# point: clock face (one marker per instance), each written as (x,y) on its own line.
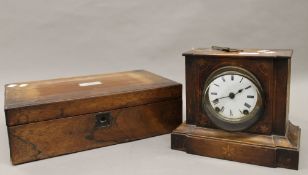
(233,96)
(233,99)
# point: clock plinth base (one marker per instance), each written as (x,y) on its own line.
(264,150)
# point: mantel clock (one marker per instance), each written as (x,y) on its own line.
(237,103)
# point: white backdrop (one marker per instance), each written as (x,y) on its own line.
(43,39)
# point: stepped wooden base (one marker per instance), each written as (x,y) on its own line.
(264,150)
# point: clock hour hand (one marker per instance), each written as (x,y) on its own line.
(241,90)
(232,95)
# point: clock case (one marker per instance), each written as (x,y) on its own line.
(272,141)
(55,117)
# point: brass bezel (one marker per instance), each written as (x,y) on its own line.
(221,121)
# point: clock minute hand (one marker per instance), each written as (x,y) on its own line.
(216,100)
(231,95)
(222,97)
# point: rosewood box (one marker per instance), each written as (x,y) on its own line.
(55,117)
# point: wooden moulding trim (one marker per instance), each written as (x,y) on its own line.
(243,138)
(279,53)
(286,148)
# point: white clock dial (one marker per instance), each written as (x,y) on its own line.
(233,96)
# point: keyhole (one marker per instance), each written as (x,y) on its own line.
(103,119)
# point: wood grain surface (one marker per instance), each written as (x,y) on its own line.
(59,98)
(265,150)
(51,138)
(279,53)
(273,72)
(61,116)
(272,141)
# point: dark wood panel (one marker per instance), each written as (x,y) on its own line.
(51,138)
(191,83)
(281,94)
(199,69)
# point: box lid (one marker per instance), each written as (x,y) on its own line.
(271,53)
(36,101)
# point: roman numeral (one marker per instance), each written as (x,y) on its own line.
(231,114)
(213,93)
(216,85)
(250,96)
(232,77)
(223,78)
(215,101)
(248,87)
(222,109)
(241,79)
(247,105)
